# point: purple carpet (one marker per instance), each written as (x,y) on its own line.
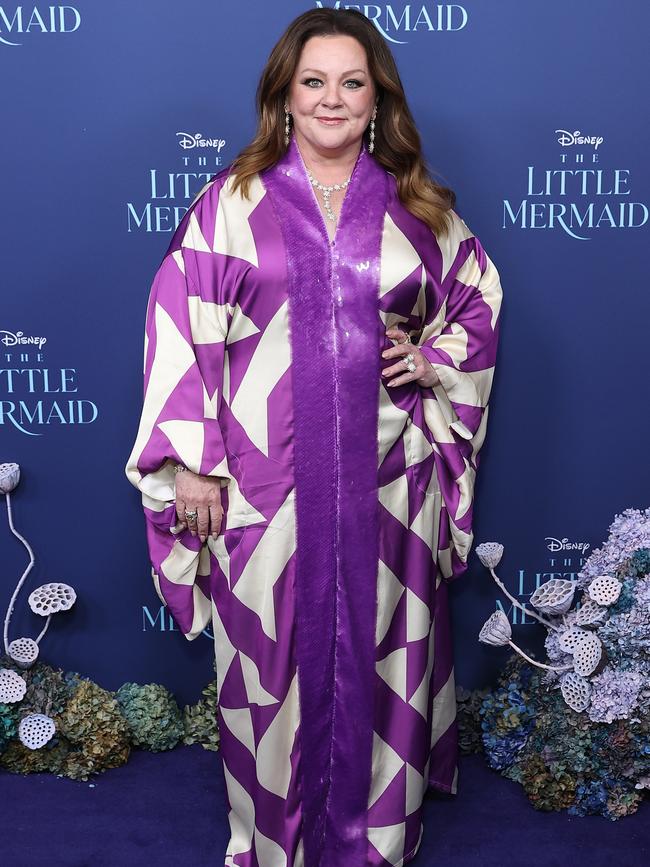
(169,809)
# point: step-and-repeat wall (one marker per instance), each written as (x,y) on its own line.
(114,114)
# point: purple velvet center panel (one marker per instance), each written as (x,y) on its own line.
(336,337)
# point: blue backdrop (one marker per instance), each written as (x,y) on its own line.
(114,114)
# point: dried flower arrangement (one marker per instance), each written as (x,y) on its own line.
(575,732)
(64,723)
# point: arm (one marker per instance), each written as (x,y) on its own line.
(460,342)
(183,367)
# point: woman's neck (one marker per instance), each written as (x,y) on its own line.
(327,167)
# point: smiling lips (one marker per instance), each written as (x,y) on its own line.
(331,120)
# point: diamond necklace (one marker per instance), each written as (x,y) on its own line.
(327,191)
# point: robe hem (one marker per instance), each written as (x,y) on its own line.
(411,855)
(443,787)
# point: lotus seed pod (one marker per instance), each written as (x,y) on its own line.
(604,589)
(35,730)
(496,630)
(50,598)
(24,651)
(570,638)
(554,596)
(587,653)
(9,477)
(590,613)
(12,686)
(576,691)
(490,553)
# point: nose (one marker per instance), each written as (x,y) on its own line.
(331,97)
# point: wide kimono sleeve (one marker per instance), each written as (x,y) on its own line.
(184,346)
(460,341)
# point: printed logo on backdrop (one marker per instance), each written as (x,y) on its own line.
(160,620)
(35,396)
(565,559)
(18,23)
(395,20)
(582,193)
(168,193)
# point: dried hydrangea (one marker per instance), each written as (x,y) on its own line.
(628,532)
(507,717)
(200,721)
(8,724)
(547,788)
(627,643)
(639,564)
(563,759)
(94,726)
(154,718)
(555,652)
(614,694)
(468,718)
(642,593)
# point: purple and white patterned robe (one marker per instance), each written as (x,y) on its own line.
(347,504)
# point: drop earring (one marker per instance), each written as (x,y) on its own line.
(371,146)
(287,115)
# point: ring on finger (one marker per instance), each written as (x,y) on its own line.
(191,514)
(409,361)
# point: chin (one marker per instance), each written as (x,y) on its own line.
(334,139)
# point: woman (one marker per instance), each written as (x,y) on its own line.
(307,472)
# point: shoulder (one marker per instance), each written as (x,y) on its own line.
(215,212)
(455,239)
(457,230)
(471,261)
(210,191)
(219,194)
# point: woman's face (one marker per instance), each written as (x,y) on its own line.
(331,80)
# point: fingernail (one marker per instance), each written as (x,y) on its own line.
(203,538)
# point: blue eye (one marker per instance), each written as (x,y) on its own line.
(354,81)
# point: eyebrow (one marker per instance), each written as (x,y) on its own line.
(320,72)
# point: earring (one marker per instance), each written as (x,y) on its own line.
(287,115)
(371,146)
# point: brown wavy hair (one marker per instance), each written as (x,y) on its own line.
(397,141)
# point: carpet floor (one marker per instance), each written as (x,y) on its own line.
(169,809)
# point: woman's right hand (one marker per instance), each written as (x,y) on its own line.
(203,495)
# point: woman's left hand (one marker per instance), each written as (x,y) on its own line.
(424,374)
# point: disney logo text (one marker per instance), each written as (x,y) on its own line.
(565,545)
(19,339)
(188,141)
(566,139)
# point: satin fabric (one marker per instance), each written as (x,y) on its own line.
(347,504)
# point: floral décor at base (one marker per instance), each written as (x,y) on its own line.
(62,722)
(562,759)
(155,720)
(95,729)
(200,719)
(576,733)
(468,719)
(46,600)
